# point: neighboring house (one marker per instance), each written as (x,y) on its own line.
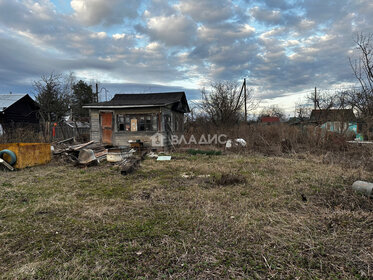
(151,118)
(18,110)
(336,120)
(297,121)
(269,120)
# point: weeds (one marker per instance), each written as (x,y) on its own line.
(202,152)
(58,222)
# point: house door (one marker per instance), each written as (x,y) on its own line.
(107,128)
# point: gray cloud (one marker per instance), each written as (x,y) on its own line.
(268,16)
(281,46)
(207,11)
(174,30)
(106,12)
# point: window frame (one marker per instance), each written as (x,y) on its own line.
(145,122)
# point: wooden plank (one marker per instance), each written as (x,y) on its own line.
(100,154)
(76,148)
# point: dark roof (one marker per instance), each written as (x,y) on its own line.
(7,100)
(131,100)
(331,115)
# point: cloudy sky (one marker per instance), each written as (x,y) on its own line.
(283,48)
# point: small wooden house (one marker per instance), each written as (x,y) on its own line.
(151,118)
(336,120)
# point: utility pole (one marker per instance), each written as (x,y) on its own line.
(244,82)
(96,92)
(243,88)
(315,99)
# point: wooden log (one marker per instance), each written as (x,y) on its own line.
(81,146)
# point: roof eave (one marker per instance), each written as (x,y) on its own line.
(119,106)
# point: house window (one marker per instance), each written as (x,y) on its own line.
(123,122)
(137,122)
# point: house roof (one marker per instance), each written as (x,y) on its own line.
(331,115)
(136,100)
(269,119)
(7,100)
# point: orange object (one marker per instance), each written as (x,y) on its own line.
(54,130)
(107,127)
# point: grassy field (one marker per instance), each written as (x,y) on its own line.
(195,217)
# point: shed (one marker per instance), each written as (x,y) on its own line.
(151,118)
(332,115)
(335,120)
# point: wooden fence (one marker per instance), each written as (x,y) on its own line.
(47,132)
(64,131)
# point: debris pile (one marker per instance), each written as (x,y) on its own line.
(85,154)
(131,161)
(91,153)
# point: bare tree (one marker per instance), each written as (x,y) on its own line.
(342,100)
(322,100)
(362,67)
(302,111)
(363,70)
(273,111)
(223,103)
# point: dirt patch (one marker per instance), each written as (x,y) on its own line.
(227,179)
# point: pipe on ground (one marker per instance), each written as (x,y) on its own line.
(364,188)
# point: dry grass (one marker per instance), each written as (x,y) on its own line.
(66,223)
(28,133)
(267,139)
